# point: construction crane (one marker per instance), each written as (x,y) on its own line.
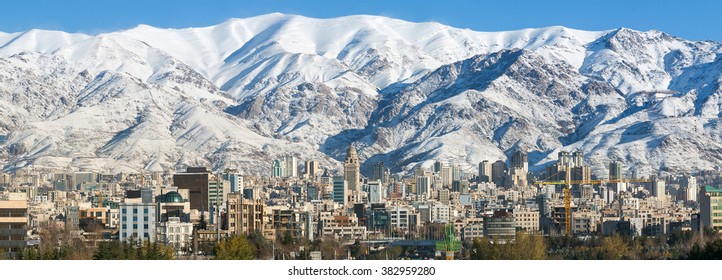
(567,193)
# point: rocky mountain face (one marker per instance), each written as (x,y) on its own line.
(238,94)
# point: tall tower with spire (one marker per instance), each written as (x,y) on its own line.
(352,172)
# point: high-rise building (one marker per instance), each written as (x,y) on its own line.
(658,188)
(137,221)
(437,166)
(234,179)
(578,159)
(444,196)
(563,159)
(376,193)
(291,166)
(311,169)
(520,160)
(581,173)
(455,173)
(217,193)
(615,171)
(326,186)
(519,170)
(498,172)
(340,190)
(485,171)
(710,209)
(689,184)
(446,176)
(379,171)
(195,180)
(352,172)
(423,185)
(278,169)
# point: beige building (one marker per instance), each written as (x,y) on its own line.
(352,172)
(245,215)
(13,225)
(342,227)
(526,220)
(585,221)
(473,228)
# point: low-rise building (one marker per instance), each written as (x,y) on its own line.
(175,233)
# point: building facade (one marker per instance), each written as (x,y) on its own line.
(137,222)
(13,225)
(711,208)
(195,180)
(245,215)
(352,170)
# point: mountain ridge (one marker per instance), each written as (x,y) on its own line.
(247,90)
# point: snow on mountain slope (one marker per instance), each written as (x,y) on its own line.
(120,123)
(244,91)
(635,61)
(479,109)
(43,41)
(384,50)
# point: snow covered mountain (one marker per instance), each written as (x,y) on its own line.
(238,94)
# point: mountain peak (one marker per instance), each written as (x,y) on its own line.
(260,87)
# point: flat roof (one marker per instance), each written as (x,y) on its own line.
(713,189)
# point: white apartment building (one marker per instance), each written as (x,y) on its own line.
(137,221)
(175,233)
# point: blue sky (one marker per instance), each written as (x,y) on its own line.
(694,20)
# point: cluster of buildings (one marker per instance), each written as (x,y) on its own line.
(188,208)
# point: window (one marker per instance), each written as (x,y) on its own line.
(145,210)
(135,219)
(135,210)
(125,226)
(145,219)
(124,211)
(145,226)
(125,219)
(135,226)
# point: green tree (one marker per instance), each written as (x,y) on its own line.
(116,250)
(264,247)
(614,247)
(711,251)
(235,248)
(524,247)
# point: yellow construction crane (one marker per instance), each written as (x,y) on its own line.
(568,182)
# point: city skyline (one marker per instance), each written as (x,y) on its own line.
(360,131)
(175,210)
